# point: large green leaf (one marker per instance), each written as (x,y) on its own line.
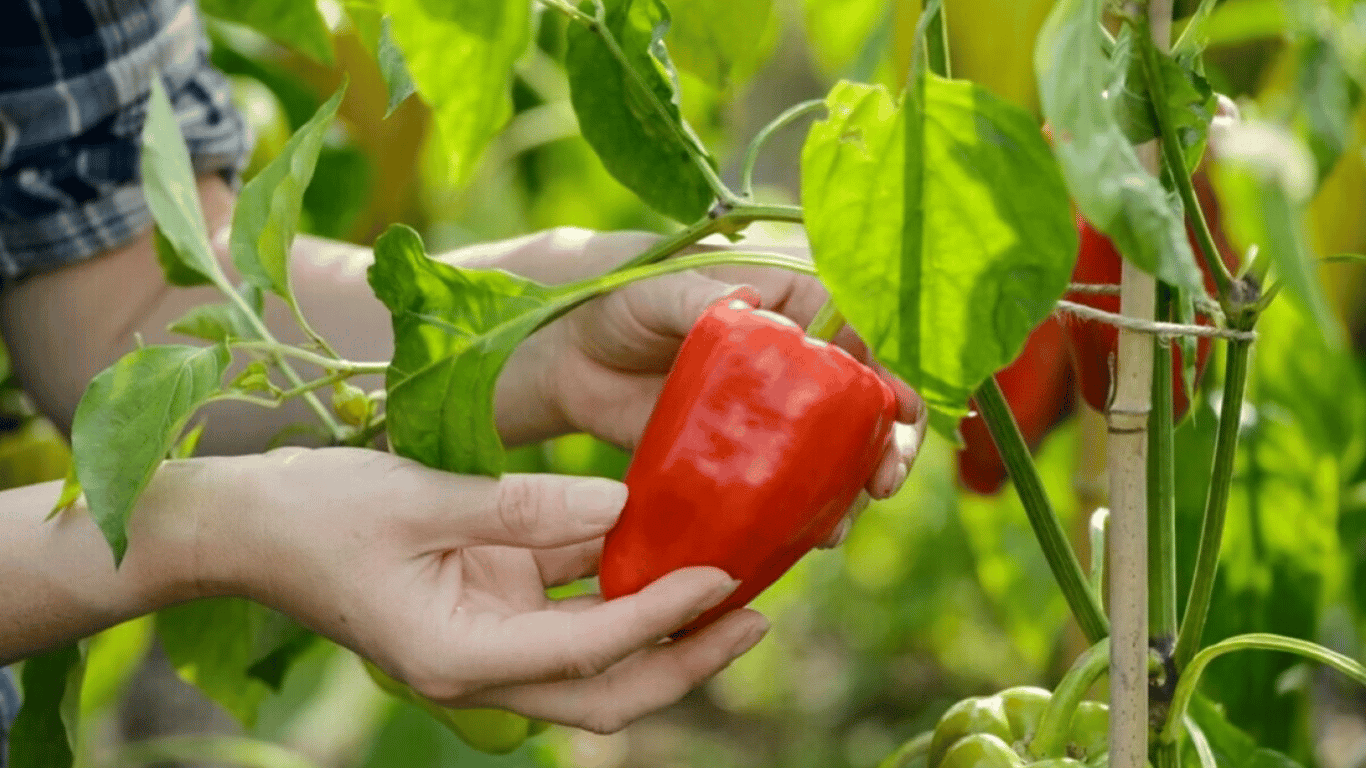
(943,233)
(267,214)
(460,55)
(639,133)
(217,659)
(840,31)
(295,23)
(128,418)
(1104,175)
(169,184)
(718,40)
(454,329)
(44,734)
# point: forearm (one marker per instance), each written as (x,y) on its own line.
(57,578)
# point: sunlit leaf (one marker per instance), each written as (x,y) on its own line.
(460,56)
(129,417)
(649,151)
(944,234)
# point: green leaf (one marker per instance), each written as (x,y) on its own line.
(290,642)
(944,234)
(188,444)
(1267,178)
(293,23)
(650,152)
(718,40)
(215,322)
(1328,97)
(168,181)
(217,661)
(1242,21)
(1108,183)
(267,213)
(71,493)
(129,417)
(454,329)
(460,55)
(1189,104)
(392,67)
(44,734)
(175,271)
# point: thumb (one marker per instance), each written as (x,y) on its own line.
(676,302)
(538,510)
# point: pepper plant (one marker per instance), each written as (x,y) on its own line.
(941,221)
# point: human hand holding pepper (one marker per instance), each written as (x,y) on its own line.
(600,369)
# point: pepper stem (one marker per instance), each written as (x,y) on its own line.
(827,322)
(1050,739)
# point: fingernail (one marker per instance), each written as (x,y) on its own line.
(721,592)
(750,637)
(841,532)
(596,500)
(898,477)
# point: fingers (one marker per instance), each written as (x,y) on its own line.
(525,510)
(556,644)
(644,682)
(567,564)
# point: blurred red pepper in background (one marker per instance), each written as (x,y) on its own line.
(1094,343)
(1038,387)
(760,441)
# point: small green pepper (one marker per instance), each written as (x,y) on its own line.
(974,732)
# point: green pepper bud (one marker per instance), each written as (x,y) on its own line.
(981,750)
(975,715)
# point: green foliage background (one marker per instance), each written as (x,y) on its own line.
(937,594)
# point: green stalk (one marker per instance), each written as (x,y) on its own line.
(729,222)
(1162,587)
(1161,500)
(827,322)
(1050,738)
(1062,559)
(1255,640)
(789,116)
(1175,164)
(1216,504)
(937,41)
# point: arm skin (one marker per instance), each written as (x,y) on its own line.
(438,578)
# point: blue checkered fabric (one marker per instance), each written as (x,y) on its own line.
(9,708)
(74,80)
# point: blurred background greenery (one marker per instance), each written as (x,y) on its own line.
(937,594)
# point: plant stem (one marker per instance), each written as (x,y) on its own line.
(1161,503)
(789,116)
(827,322)
(1100,521)
(598,26)
(1216,504)
(1050,738)
(937,42)
(1255,640)
(1175,163)
(327,363)
(732,220)
(1085,604)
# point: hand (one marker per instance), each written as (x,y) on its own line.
(440,580)
(601,367)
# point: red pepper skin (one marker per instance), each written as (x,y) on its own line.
(760,441)
(1038,386)
(1094,344)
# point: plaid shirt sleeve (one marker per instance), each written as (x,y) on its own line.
(9,709)
(74,81)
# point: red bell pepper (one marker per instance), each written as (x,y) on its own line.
(760,441)
(1038,386)
(1094,343)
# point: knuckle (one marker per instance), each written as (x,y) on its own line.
(604,720)
(519,509)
